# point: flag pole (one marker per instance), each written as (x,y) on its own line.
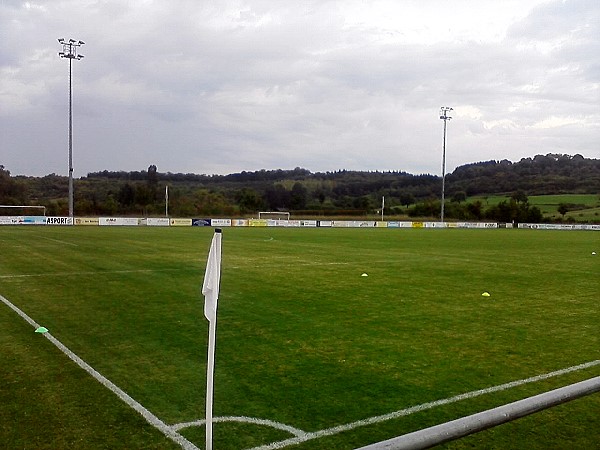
(210,289)
(167,200)
(212,332)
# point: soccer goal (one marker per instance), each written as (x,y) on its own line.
(274,215)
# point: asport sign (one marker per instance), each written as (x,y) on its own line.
(59,221)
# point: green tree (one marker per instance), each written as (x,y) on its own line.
(11,191)
(152,182)
(534,215)
(475,210)
(211,203)
(320,195)
(144,197)
(126,195)
(459,197)
(109,207)
(407,199)
(152,176)
(5,184)
(428,208)
(277,197)
(249,200)
(563,208)
(298,196)
(362,203)
(520,197)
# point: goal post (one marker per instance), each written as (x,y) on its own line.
(274,215)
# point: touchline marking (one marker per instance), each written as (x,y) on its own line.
(421,407)
(150,418)
(59,241)
(293,263)
(243,419)
(72,274)
(300,436)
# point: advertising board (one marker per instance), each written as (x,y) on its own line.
(11,220)
(157,222)
(257,222)
(118,221)
(354,223)
(87,221)
(34,220)
(399,224)
(59,221)
(559,226)
(181,222)
(220,222)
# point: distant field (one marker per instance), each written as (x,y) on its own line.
(304,340)
(588,204)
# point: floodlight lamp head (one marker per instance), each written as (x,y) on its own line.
(72,40)
(61,54)
(81,42)
(61,40)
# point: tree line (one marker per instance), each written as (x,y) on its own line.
(342,192)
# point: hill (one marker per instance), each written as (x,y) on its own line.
(542,175)
(306,193)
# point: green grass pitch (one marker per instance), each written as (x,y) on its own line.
(303,339)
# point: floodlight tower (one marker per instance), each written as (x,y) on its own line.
(445,117)
(69,51)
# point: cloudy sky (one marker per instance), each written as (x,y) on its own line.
(218,87)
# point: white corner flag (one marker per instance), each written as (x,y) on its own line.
(210,290)
(212,277)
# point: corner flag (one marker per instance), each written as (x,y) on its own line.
(212,278)
(210,290)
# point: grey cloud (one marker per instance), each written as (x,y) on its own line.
(244,85)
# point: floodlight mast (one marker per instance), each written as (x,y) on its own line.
(69,51)
(445,117)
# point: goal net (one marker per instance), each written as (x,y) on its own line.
(274,215)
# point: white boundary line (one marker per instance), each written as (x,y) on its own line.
(300,436)
(72,274)
(150,418)
(269,423)
(421,407)
(59,241)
